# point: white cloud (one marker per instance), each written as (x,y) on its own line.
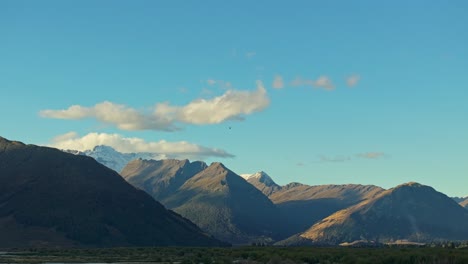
(278,82)
(211,81)
(353,80)
(232,105)
(322,82)
(179,150)
(121,116)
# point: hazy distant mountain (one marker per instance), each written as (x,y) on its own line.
(161,178)
(52,198)
(458,199)
(410,211)
(262,182)
(111,158)
(463,201)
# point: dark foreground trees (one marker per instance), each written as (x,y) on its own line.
(240,255)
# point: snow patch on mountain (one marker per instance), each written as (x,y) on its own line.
(260,176)
(113,159)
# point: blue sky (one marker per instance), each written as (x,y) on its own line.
(371,92)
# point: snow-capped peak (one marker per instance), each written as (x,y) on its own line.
(260,176)
(112,158)
(246,176)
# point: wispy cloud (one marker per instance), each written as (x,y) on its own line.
(278,82)
(300,164)
(162,148)
(250,54)
(183,90)
(323,158)
(232,105)
(222,84)
(371,155)
(322,82)
(211,82)
(345,158)
(353,80)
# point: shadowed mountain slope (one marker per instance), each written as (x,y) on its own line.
(303,205)
(410,211)
(225,205)
(51,198)
(161,178)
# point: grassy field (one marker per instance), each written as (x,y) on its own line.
(270,255)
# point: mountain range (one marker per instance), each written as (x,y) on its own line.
(51,198)
(409,211)
(219,201)
(298,206)
(209,198)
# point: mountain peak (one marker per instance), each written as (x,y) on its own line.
(6,142)
(103,148)
(411,184)
(264,178)
(262,181)
(217,166)
(260,174)
(257,175)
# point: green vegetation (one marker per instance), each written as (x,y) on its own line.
(454,254)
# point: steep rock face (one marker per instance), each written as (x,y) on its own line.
(410,211)
(51,198)
(262,182)
(225,205)
(161,178)
(303,205)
